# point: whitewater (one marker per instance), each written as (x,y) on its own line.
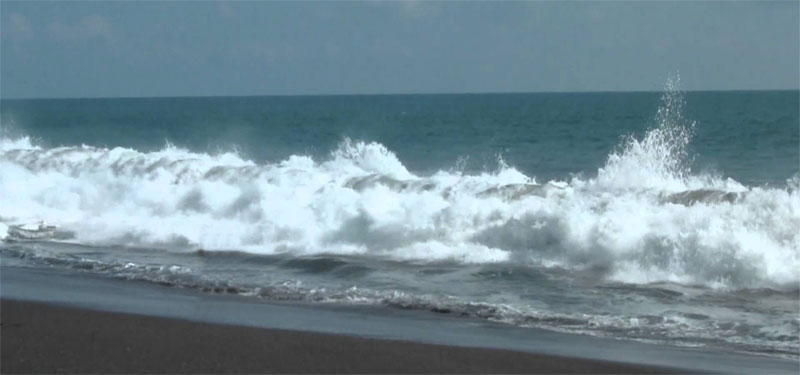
(646,247)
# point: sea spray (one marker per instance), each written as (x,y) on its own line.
(641,245)
(644,218)
(660,158)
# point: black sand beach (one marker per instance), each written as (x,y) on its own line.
(64,322)
(44,338)
(583,187)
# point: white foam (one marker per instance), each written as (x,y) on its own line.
(362,200)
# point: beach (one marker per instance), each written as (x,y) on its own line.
(65,322)
(400,187)
(45,338)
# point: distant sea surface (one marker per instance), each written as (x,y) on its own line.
(662,217)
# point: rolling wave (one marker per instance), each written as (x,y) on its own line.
(645,217)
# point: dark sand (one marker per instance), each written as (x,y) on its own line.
(43,338)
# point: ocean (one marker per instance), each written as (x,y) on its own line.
(659,217)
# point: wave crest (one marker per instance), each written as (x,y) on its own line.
(645,217)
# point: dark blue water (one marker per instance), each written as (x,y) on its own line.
(751,136)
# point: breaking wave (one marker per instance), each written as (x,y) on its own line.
(645,216)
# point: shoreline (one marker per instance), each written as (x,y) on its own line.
(45,338)
(402,334)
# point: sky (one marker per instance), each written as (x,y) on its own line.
(214,48)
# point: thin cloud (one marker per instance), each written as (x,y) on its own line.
(225,9)
(415,9)
(18,27)
(90,27)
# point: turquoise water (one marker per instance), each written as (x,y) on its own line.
(751,136)
(663,217)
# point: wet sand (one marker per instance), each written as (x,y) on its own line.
(47,338)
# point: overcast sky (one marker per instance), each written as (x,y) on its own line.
(96,49)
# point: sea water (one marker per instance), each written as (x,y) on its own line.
(662,217)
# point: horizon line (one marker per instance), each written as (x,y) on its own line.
(391,94)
